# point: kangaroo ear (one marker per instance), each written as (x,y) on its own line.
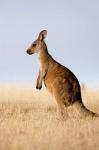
(42,35)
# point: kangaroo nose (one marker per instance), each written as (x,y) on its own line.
(28,51)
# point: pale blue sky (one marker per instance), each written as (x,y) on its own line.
(73,37)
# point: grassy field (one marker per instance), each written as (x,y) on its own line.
(29,121)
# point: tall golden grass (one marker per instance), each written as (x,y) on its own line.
(29,121)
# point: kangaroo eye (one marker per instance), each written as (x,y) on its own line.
(34,45)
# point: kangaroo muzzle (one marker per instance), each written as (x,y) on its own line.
(29,51)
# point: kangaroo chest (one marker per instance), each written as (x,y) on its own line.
(40,65)
(43,67)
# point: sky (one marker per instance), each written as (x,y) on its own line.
(73,38)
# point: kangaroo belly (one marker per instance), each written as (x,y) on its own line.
(48,84)
(61,79)
(63,85)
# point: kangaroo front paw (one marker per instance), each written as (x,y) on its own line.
(38,87)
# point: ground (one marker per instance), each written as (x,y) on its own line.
(29,121)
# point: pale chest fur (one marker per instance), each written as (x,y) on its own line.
(40,62)
(43,63)
(40,65)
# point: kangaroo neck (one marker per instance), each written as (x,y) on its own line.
(43,59)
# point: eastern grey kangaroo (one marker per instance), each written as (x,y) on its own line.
(59,80)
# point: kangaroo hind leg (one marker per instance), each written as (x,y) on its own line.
(63,101)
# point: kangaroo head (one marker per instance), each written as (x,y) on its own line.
(39,44)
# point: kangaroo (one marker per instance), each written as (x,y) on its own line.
(58,79)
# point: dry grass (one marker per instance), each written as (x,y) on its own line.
(28,121)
